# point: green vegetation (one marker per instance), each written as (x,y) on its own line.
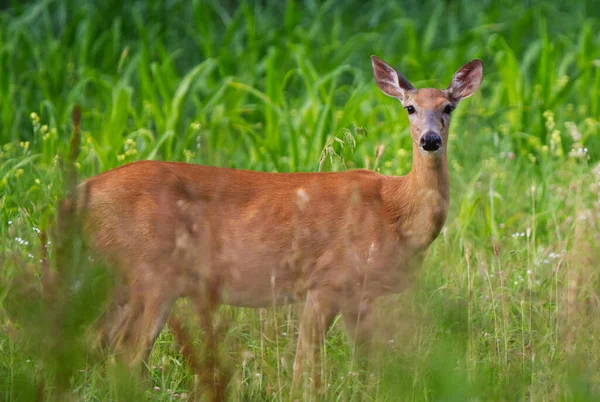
(506,306)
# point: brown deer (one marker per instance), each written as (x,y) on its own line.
(334,241)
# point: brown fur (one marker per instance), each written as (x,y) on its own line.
(335,241)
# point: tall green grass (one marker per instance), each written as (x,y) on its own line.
(506,305)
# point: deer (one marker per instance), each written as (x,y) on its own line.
(333,241)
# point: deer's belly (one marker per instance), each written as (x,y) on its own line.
(262,279)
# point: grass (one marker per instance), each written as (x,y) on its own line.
(506,305)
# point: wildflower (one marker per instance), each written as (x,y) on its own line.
(580,153)
(189,155)
(156,389)
(549,120)
(21,241)
(575,133)
(556,143)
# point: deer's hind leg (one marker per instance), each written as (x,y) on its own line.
(135,321)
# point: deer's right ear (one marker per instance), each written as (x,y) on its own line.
(389,80)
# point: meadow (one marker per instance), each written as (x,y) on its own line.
(506,305)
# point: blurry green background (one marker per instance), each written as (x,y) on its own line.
(287,86)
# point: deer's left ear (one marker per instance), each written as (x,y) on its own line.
(466,80)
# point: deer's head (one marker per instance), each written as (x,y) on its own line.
(428,109)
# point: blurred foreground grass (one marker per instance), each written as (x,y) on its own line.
(506,305)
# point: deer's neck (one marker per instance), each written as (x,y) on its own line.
(429,174)
(419,201)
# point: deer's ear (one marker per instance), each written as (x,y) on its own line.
(389,80)
(466,80)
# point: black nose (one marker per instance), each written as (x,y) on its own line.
(431,141)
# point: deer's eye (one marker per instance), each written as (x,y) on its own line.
(448,109)
(410,109)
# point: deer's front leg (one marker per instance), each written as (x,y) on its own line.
(320,309)
(359,324)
